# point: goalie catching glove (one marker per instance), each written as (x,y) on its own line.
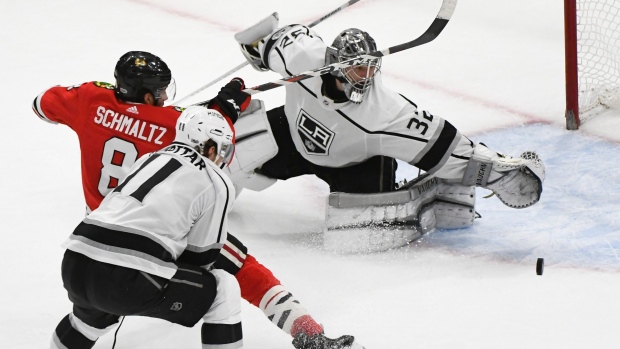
(517,182)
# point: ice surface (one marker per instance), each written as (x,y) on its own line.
(496,72)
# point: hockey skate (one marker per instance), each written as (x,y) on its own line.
(319,341)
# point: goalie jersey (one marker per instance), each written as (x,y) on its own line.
(386,123)
(172,206)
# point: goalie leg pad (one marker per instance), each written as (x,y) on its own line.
(455,205)
(255,145)
(517,182)
(377,222)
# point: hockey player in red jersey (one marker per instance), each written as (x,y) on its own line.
(116,124)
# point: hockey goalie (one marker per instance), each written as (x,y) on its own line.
(348,129)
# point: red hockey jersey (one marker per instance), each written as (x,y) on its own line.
(112,134)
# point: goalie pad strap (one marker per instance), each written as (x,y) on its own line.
(477,172)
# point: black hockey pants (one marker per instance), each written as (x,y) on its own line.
(102,292)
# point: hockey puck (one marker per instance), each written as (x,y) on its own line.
(540,265)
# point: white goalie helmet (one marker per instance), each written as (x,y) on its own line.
(356,79)
(200,127)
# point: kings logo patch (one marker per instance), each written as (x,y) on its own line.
(315,136)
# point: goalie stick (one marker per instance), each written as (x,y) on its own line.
(440,22)
(340,8)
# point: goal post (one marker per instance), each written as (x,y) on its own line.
(592,58)
(570,52)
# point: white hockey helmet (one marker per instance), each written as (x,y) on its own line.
(357,79)
(197,125)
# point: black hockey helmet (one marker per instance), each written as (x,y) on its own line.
(138,73)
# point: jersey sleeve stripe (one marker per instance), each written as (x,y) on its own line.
(440,148)
(232,256)
(36,107)
(237,246)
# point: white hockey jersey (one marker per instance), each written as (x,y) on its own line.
(386,123)
(172,207)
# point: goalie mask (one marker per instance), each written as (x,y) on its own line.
(138,73)
(356,79)
(201,128)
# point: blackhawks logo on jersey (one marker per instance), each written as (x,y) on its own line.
(179,109)
(104,85)
(315,136)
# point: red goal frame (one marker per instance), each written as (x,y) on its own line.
(570,52)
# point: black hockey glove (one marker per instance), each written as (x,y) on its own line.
(319,341)
(231,100)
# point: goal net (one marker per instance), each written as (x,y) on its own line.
(592,29)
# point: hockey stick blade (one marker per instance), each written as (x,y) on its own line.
(439,23)
(340,8)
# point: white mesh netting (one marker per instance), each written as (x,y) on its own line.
(598,55)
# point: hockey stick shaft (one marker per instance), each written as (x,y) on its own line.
(439,23)
(340,8)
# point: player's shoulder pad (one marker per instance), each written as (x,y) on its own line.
(105,85)
(282,38)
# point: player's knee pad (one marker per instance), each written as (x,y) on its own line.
(226,307)
(517,182)
(255,145)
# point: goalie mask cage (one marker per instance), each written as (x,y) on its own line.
(592,50)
